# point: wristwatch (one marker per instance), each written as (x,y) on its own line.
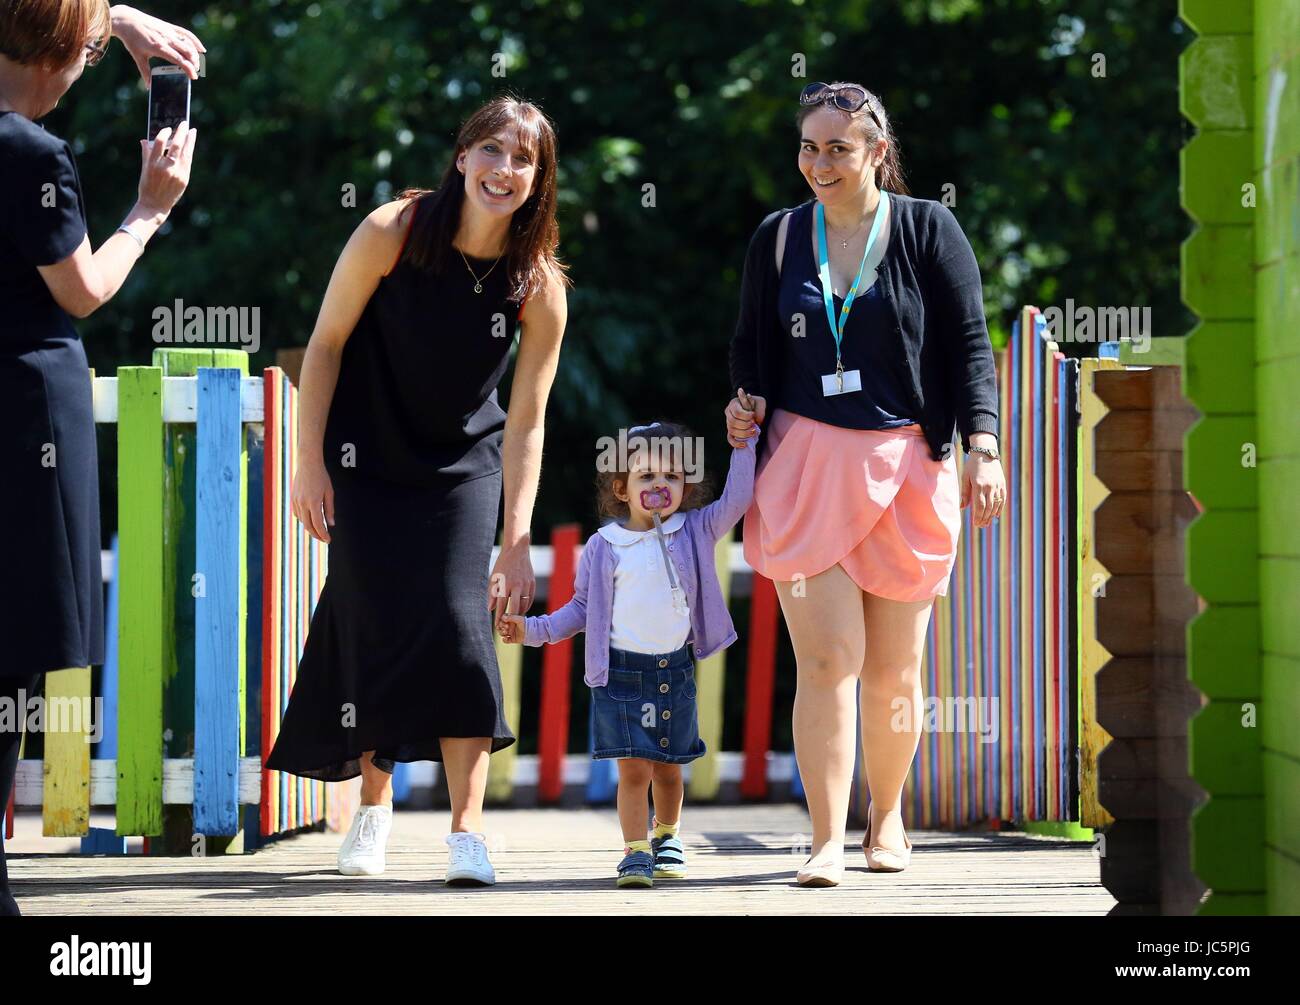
(989,452)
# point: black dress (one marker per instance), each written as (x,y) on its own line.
(400,651)
(51,599)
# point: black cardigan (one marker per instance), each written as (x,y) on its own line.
(931,285)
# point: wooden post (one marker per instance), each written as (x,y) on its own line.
(140,631)
(557,661)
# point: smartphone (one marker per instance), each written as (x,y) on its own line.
(169,99)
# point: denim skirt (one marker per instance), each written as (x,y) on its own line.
(647,708)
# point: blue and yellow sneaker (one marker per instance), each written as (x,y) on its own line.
(636,869)
(670,859)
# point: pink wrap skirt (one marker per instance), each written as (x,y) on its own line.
(873,500)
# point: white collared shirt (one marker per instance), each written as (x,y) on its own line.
(644,619)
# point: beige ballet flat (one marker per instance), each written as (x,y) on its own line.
(826,874)
(880,859)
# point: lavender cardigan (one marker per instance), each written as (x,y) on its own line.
(691,549)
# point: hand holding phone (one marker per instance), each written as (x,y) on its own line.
(165,168)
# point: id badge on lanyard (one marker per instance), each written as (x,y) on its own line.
(842,381)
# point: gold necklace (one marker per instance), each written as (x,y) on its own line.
(478,282)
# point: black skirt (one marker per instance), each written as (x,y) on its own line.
(400,650)
(51,587)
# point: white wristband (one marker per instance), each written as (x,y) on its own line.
(133,235)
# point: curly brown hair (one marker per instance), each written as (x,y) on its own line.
(695,494)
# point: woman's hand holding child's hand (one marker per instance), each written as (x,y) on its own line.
(511,627)
(744,415)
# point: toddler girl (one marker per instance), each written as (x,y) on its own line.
(647,595)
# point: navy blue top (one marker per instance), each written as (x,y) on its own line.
(883,402)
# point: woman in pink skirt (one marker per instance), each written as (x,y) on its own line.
(862,327)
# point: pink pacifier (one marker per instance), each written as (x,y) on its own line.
(656,499)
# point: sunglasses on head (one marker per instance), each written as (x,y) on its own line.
(846,97)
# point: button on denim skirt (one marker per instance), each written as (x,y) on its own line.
(647,708)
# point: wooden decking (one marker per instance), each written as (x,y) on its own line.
(742,861)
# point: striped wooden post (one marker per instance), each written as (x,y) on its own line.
(557,661)
(221,552)
(710,681)
(273,502)
(140,632)
(759,684)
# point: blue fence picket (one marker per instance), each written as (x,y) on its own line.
(218,608)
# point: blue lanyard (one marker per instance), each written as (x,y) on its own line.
(824,271)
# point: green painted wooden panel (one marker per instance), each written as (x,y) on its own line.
(1216,639)
(1164,350)
(1278,23)
(1277,384)
(1275,239)
(1277,95)
(1283,877)
(1218,278)
(1279,700)
(1221,830)
(1221,556)
(1217,17)
(1281,808)
(1215,166)
(1220,461)
(1279,584)
(1216,82)
(1218,372)
(1277,334)
(1224,753)
(1279,518)
(140,604)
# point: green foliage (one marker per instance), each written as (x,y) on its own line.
(1065,183)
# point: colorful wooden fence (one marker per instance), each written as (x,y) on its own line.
(212,592)
(218,580)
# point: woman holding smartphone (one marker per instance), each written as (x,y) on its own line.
(862,326)
(51,608)
(403,453)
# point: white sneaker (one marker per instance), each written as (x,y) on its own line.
(362,851)
(468,865)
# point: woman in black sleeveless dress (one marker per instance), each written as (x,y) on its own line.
(403,454)
(51,604)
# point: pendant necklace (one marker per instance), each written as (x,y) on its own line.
(478,282)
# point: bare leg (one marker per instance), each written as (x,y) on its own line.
(465,760)
(827,630)
(376,784)
(891,697)
(667,790)
(634,774)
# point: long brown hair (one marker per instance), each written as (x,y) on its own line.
(534,239)
(889,175)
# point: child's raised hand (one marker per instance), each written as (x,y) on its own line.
(511,628)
